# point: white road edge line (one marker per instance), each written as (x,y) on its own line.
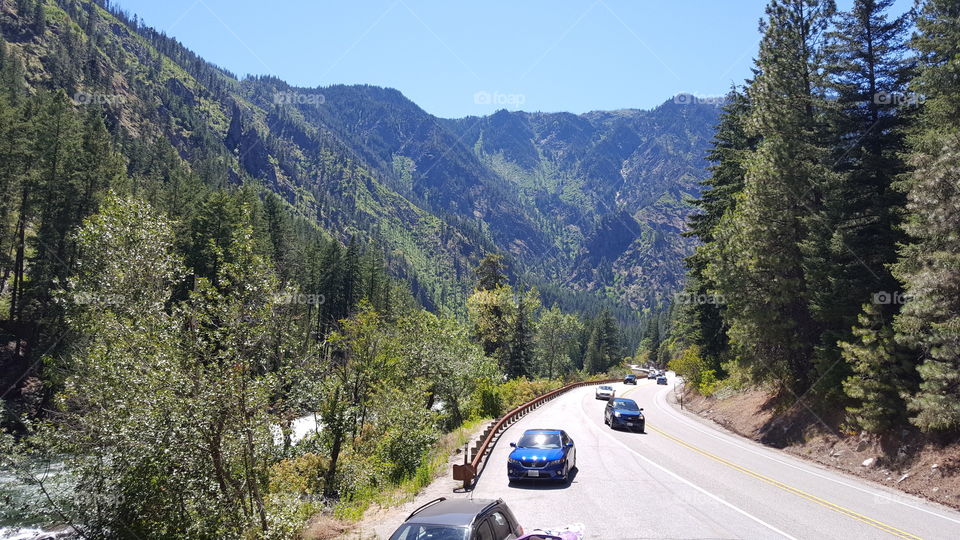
(660,400)
(682,479)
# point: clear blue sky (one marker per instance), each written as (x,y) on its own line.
(457,58)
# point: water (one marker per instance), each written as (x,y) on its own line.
(24,510)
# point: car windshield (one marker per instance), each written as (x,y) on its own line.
(423,531)
(539,440)
(605,388)
(626,404)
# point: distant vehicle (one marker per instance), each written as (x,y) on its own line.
(621,412)
(661,380)
(460,519)
(604,392)
(630,379)
(542,454)
(652,375)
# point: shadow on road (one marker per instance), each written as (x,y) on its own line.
(546,484)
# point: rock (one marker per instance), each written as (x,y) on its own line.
(936,489)
(862,445)
(869,462)
(904,477)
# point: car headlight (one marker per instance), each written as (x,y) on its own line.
(617,414)
(514,461)
(640,416)
(555,462)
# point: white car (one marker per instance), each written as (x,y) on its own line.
(604,392)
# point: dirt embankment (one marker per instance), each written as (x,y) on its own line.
(907,460)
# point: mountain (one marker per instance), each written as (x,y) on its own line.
(592,203)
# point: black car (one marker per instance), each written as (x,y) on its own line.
(661,380)
(621,412)
(460,519)
(630,379)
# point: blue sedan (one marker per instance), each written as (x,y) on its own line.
(542,454)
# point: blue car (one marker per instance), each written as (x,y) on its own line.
(624,413)
(542,454)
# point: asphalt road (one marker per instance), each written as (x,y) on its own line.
(687,479)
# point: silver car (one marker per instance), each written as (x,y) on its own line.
(604,392)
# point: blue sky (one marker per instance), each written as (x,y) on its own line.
(456,58)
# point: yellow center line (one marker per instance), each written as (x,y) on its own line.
(790,489)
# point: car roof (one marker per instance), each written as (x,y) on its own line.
(460,512)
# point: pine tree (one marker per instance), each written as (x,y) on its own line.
(520,362)
(759,264)
(490,272)
(930,263)
(703,320)
(860,206)
(884,373)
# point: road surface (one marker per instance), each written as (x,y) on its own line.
(686,479)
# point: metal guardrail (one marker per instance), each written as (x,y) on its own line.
(469,471)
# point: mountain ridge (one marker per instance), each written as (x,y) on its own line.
(364,159)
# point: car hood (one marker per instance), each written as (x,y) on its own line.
(538,454)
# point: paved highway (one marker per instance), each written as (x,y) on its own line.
(686,479)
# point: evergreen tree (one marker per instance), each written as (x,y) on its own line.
(490,272)
(929,265)
(704,321)
(860,207)
(760,263)
(884,374)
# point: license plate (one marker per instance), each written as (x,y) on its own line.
(534,474)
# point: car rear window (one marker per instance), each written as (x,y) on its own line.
(421,531)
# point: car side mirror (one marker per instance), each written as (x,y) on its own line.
(569,445)
(513,445)
(641,408)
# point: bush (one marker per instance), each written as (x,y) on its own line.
(303,475)
(708,382)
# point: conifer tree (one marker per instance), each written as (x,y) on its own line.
(929,265)
(761,267)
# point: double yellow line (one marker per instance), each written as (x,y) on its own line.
(790,489)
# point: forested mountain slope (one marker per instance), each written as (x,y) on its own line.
(592,201)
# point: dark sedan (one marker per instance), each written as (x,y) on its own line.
(624,413)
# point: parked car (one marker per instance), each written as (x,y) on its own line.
(625,413)
(460,519)
(661,380)
(604,392)
(630,379)
(542,454)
